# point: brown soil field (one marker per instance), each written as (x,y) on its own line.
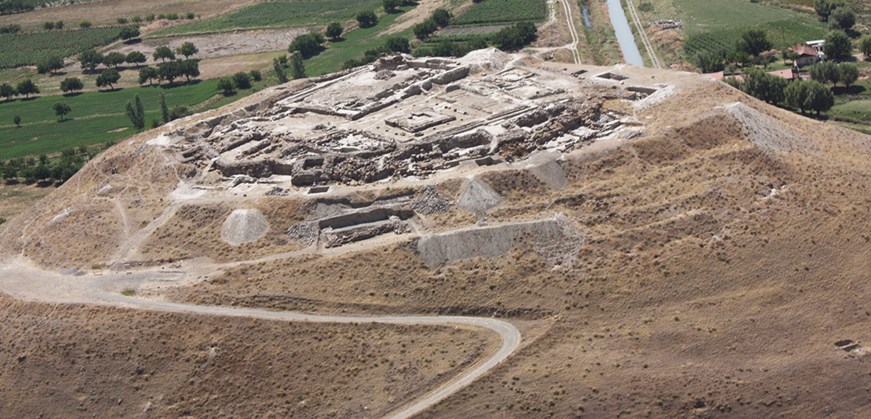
(106,12)
(16,198)
(74,361)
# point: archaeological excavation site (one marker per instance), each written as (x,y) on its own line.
(487,236)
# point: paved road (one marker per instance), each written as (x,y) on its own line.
(21,280)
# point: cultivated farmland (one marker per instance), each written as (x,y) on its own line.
(503,11)
(279,14)
(31,48)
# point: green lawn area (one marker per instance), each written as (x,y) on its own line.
(282,13)
(354,44)
(96,117)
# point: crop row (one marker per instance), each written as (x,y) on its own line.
(503,11)
(31,48)
(782,34)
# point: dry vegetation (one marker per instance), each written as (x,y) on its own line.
(67,361)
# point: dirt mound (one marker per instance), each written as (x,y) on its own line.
(244,226)
(490,59)
(478,197)
(763,130)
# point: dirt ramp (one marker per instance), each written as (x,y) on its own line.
(440,249)
(244,226)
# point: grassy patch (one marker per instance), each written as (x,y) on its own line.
(128,292)
(503,11)
(282,13)
(96,118)
(31,48)
(354,44)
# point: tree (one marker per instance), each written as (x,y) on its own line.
(135,57)
(515,37)
(256,75)
(169,71)
(189,69)
(442,17)
(848,73)
(50,64)
(334,31)
(164,110)
(367,19)
(279,70)
(843,18)
(764,86)
(90,59)
(424,29)
(61,110)
(129,33)
(187,49)
(242,80)
(7,91)
(398,44)
(84,24)
(59,25)
(114,59)
(825,72)
(391,6)
(226,87)
(48,26)
(754,42)
(71,84)
(709,62)
(820,97)
(148,74)
(26,88)
(17,121)
(824,8)
(136,112)
(865,46)
(796,94)
(308,45)
(108,78)
(297,66)
(838,45)
(163,53)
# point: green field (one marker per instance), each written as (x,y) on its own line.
(354,44)
(496,12)
(282,13)
(717,25)
(96,117)
(31,48)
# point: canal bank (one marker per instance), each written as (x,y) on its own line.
(625,39)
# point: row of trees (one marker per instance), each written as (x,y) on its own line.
(24,88)
(170,71)
(44,169)
(803,95)
(829,72)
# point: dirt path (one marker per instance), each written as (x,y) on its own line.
(643,34)
(21,280)
(573,31)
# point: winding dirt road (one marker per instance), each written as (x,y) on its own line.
(576,39)
(21,280)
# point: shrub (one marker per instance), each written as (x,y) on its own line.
(242,80)
(367,19)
